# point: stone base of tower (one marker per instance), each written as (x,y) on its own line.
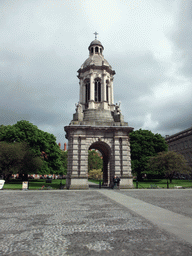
(112,142)
(126,182)
(77,183)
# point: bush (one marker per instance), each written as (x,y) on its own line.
(96,174)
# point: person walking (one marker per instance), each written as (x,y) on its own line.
(118,182)
(115,182)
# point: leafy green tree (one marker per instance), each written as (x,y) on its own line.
(144,144)
(17,158)
(169,164)
(95,161)
(63,170)
(39,141)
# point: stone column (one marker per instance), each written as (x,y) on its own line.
(78,159)
(126,178)
(117,162)
(103,96)
(126,157)
(81,92)
(69,161)
(122,161)
(111,92)
(92,92)
(84,158)
(75,157)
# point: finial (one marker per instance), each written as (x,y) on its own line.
(96,35)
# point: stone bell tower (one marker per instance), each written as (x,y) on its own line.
(97,124)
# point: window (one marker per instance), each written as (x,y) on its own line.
(107,90)
(87,91)
(97,90)
(91,49)
(96,50)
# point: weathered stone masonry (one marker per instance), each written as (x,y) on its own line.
(98,124)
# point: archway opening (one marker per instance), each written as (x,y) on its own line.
(104,151)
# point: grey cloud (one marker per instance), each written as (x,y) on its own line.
(137,74)
(39,60)
(182,37)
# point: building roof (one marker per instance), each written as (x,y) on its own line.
(179,135)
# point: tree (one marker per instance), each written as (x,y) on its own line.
(95,161)
(63,170)
(144,144)
(17,158)
(39,141)
(169,163)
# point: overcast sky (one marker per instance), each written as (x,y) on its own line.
(147,42)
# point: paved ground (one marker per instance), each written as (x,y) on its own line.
(94,222)
(175,200)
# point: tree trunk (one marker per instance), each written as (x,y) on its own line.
(7,177)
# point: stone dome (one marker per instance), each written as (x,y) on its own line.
(95,42)
(97,60)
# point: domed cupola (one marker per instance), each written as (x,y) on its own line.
(96,58)
(96,100)
(95,47)
(96,80)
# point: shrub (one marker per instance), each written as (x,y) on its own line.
(96,174)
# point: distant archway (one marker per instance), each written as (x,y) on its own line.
(106,154)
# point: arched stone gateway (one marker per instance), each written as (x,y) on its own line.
(98,124)
(105,150)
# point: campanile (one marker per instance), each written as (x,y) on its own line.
(97,124)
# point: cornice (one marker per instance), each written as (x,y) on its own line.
(108,69)
(98,128)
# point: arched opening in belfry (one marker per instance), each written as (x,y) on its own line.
(96,49)
(105,151)
(87,92)
(107,90)
(97,90)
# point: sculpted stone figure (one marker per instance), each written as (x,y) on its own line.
(117,108)
(78,108)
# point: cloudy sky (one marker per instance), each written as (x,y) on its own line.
(147,42)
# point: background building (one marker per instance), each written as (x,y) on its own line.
(181,142)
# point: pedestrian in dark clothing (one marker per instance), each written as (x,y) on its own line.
(115,182)
(118,182)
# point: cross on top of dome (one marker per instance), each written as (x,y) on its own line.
(96,35)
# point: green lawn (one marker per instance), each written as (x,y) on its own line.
(39,183)
(158,183)
(94,181)
(162,183)
(34,184)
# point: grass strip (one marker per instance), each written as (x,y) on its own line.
(35,184)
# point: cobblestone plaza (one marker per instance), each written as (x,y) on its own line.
(34,223)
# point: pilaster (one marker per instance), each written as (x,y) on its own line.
(92,93)
(112,97)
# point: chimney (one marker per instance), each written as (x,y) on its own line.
(65,146)
(59,145)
